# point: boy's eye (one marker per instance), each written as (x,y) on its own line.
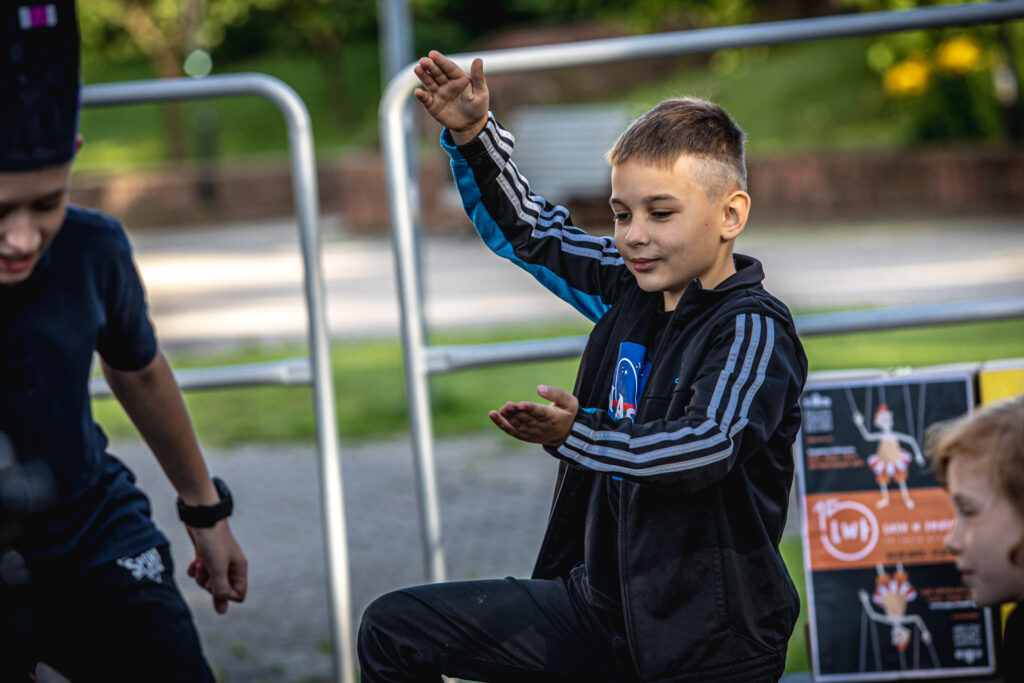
(621,216)
(661,214)
(48,205)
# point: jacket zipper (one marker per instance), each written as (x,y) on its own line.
(627,621)
(623,593)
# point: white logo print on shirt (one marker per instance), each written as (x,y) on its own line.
(147,565)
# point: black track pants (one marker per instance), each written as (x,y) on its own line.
(122,621)
(495,631)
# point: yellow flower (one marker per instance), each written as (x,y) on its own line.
(909,77)
(958,55)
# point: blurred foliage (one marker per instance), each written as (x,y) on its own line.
(166,32)
(956,83)
(935,85)
(461,21)
(122,30)
(792,99)
(340,35)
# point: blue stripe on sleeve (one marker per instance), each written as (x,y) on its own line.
(590,305)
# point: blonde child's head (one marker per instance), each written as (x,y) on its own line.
(979,458)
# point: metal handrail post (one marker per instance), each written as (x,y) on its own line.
(304,181)
(565,55)
(412,323)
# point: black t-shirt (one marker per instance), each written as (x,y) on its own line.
(601,540)
(80,507)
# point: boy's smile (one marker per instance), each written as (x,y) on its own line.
(668,231)
(32,208)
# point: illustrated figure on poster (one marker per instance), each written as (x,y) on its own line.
(893,592)
(889,462)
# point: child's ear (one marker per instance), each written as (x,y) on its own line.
(79,141)
(735,209)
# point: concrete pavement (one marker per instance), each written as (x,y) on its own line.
(495,495)
(224,285)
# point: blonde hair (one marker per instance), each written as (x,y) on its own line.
(692,127)
(995,432)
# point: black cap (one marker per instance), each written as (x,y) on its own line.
(40,89)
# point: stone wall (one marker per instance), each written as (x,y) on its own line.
(833,185)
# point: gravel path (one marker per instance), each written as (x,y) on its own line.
(495,496)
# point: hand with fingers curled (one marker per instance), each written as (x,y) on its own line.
(219,565)
(548,425)
(456,101)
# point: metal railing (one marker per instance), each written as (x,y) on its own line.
(422,360)
(316,368)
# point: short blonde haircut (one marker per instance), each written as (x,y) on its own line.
(692,127)
(995,432)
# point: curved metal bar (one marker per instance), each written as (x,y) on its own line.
(443,359)
(304,182)
(290,372)
(901,317)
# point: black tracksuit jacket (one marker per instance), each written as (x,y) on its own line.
(706,462)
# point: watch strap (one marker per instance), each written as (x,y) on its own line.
(205,516)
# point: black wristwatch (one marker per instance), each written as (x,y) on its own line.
(205,516)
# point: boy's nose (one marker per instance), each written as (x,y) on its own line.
(637,233)
(18,235)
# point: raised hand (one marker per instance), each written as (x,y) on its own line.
(455,100)
(548,425)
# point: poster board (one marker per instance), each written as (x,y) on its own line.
(884,598)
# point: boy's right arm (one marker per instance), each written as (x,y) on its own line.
(538,236)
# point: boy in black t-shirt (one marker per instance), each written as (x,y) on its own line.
(86,582)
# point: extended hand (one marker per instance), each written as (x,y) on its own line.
(219,566)
(455,100)
(548,425)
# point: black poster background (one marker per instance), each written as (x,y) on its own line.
(848,645)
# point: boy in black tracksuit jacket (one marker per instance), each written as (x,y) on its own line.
(660,561)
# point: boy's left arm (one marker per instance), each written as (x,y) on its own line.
(748,383)
(153,401)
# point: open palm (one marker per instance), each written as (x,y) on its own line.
(455,100)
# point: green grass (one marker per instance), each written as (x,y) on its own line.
(918,347)
(370,392)
(370,386)
(792,554)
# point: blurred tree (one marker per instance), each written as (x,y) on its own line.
(474,18)
(339,33)
(162,31)
(959,83)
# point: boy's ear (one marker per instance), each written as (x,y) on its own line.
(79,141)
(735,209)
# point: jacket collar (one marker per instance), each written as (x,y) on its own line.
(749,274)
